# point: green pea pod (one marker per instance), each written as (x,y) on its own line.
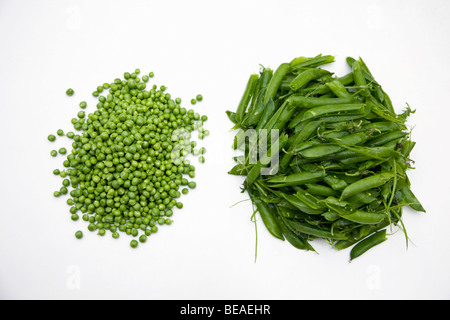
(335,183)
(407,148)
(296,179)
(239,170)
(347,79)
(360,80)
(275,117)
(307,62)
(366,244)
(311,102)
(316,232)
(387,137)
(364,184)
(323,149)
(253,116)
(268,218)
(300,137)
(319,151)
(232,116)
(265,159)
(320,190)
(411,199)
(297,241)
(298,203)
(364,217)
(382,112)
(247,96)
(336,110)
(338,89)
(309,199)
(384,126)
(305,77)
(275,82)
(269,110)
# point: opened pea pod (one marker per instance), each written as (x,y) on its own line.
(341,173)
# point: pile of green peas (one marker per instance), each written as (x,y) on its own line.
(129,158)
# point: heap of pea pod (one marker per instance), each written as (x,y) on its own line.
(343,155)
(129,159)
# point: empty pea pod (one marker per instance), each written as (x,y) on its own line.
(296,179)
(368,243)
(335,110)
(305,77)
(367,183)
(312,102)
(305,228)
(411,199)
(311,62)
(387,137)
(294,239)
(320,190)
(360,80)
(247,96)
(338,89)
(298,203)
(268,218)
(275,82)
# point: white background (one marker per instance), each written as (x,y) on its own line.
(211,47)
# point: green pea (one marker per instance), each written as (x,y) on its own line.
(79,234)
(53,153)
(199,97)
(51,138)
(60,132)
(134,244)
(192,184)
(70,92)
(83,104)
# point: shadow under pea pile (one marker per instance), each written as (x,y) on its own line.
(342,154)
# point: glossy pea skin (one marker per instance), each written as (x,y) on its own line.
(79,234)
